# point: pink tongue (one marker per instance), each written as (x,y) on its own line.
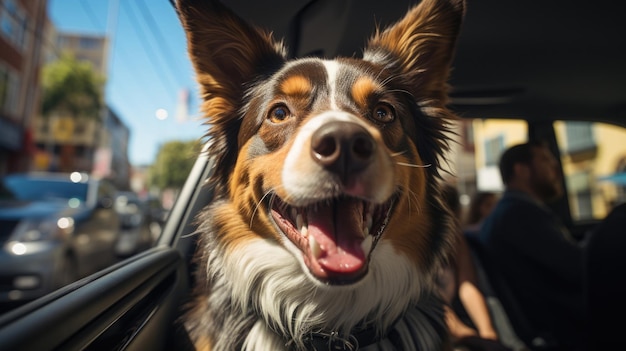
(338,231)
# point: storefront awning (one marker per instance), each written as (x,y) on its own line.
(618,178)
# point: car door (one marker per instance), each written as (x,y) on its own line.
(131,306)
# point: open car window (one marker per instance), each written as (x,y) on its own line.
(591,154)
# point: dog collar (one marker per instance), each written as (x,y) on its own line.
(422,327)
(332,341)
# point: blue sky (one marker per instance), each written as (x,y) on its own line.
(148,66)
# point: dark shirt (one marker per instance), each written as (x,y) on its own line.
(539,261)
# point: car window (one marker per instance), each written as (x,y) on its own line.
(476,150)
(593,158)
(594,165)
(98,132)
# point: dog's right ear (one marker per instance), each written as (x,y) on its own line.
(227,54)
(225,50)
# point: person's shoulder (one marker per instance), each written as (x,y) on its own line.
(512,213)
(517,203)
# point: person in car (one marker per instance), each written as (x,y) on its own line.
(458,285)
(480,207)
(532,249)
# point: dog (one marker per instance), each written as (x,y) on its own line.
(327,225)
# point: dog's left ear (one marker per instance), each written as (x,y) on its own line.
(420,47)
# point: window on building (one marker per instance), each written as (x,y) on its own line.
(579,187)
(477,167)
(62,41)
(4,86)
(80,127)
(88,43)
(13,23)
(9,90)
(579,136)
(593,157)
(493,149)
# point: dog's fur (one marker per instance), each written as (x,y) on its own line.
(348,149)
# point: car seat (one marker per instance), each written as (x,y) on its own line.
(509,320)
(605,286)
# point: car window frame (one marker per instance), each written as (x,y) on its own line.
(128,305)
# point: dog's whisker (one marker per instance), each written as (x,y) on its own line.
(412,165)
(412,195)
(259,204)
(396,154)
(402,91)
(191,234)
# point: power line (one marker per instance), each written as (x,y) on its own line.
(95,21)
(150,50)
(90,14)
(156,32)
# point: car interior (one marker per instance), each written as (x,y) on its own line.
(533,61)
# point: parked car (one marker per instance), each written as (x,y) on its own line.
(157,215)
(131,209)
(136,224)
(54,229)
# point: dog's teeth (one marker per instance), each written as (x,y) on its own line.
(366,232)
(304,231)
(294,213)
(366,245)
(299,221)
(368,221)
(316,250)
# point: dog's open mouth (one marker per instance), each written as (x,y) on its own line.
(336,236)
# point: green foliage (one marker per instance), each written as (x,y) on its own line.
(173,164)
(71,87)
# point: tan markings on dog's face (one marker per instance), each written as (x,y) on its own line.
(296,86)
(279,162)
(279,105)
(409,228)
(363,89)
(252,180)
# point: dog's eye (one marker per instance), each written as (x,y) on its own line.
(279,114)
(383,113)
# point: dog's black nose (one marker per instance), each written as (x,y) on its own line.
(343,148)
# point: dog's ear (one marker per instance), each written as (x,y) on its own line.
(227,54)
(420,47)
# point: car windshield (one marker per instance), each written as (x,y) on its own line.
(33,189)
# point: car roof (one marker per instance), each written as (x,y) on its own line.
(538,60)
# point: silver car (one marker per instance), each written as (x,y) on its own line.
(54,229)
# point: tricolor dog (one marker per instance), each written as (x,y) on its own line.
(328,224)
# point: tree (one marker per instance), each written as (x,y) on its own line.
(173,164)
(71,87)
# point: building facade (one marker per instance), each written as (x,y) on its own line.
(96,144)
(22,27)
